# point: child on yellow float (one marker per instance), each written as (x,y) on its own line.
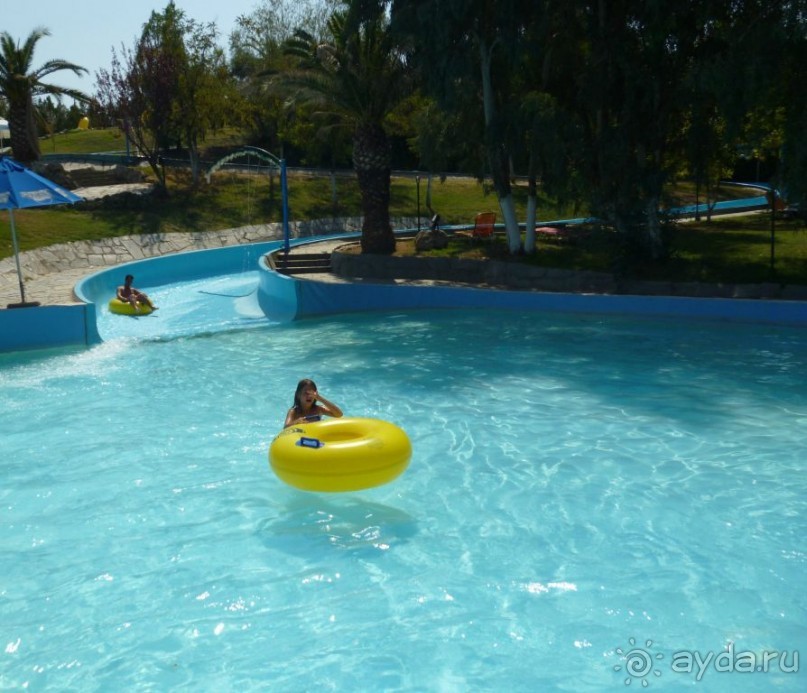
(305,407)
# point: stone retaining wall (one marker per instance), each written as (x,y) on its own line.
(514,275)
(106,252)
(114,251)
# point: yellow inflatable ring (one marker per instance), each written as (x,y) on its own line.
(346,454)
(121,308)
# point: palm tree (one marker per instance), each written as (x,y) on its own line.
(357,78)
(19,84)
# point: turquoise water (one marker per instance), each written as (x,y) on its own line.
(201,306)
(580,487)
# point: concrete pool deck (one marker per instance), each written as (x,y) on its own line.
(57,279)
(51,273)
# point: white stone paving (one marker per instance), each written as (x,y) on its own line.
(49,274)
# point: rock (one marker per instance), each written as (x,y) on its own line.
(126,174)
(431,240)
(54,172)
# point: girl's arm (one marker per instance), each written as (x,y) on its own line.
(328,407)
(290,418)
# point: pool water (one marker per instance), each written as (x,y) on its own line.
(201,306)
(588,498)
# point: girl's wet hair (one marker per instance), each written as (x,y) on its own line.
(302,385)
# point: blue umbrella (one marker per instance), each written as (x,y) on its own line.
(20,188)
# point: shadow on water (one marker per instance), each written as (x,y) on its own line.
(641,365)
(306,522)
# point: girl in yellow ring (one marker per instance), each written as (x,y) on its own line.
(305,407)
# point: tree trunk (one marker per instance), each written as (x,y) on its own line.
(655,243)
(371,157)
(532,207)
(529,224)
(508,208)
(195,162)
(499,164)
(24,142)
(497,151)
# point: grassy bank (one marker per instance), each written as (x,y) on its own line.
(726,250)
(233,199)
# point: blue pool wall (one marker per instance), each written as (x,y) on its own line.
(285,298)
(44,327)
(176,267)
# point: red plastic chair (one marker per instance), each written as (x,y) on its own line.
(484,227)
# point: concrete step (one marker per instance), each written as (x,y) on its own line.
(89,178)
(303,263)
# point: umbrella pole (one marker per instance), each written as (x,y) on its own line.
(16,255)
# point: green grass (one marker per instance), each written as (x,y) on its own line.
(736,249)
(83,142)
(729,249)
(232,200)
(112,140)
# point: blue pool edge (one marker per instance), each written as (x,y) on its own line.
(286,298)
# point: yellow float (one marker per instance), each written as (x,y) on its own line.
(346,454)
(121,308)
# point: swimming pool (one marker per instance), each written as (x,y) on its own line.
(205,305)
(586,493)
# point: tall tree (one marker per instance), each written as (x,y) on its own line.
(609,98)
(257,40)
(629,98)
(256,52)
(791,76)
(620,74)
(358,76)
(206,94)
(473,46)
(169,89)
(21,84)
(542,129)
(142,83)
